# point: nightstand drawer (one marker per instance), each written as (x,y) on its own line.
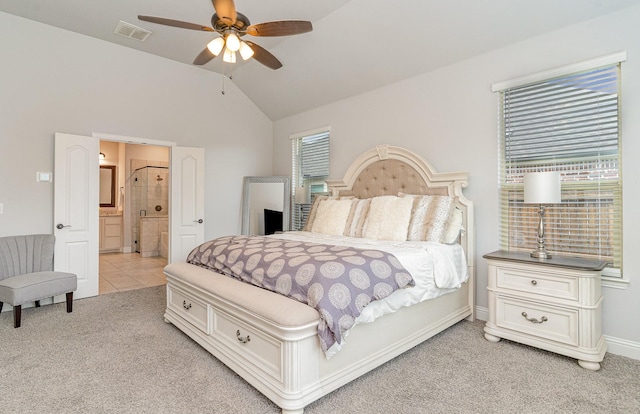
(538,282)
(556,324)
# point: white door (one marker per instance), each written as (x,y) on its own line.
(187,201)
(75,216)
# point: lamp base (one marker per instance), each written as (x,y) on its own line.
(540,254)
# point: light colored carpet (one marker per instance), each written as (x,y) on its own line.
(115,354)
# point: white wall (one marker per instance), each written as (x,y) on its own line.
(449,117)
(53,80)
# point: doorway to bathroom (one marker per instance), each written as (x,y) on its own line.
(134,233)
(76,196)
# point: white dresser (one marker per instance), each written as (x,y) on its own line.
(553,304)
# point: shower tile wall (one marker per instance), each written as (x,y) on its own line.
(151,229)
(149,193)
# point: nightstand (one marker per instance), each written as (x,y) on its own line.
(553,304)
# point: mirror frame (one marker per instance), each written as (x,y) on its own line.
(113,185)
(246,199)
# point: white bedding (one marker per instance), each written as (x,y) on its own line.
(436,268)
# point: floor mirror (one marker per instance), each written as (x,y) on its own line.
(265,205)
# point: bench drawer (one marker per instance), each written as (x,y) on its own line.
(249,343)
(189,307)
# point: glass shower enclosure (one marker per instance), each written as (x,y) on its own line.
(149,206)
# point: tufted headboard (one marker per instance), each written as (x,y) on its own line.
(389,170)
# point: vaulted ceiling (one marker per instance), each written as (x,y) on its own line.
(355,46)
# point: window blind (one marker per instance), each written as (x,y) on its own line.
(310,168)
(569,124)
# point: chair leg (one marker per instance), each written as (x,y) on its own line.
(1,304)
(17,313)
(69,302)
(37,303)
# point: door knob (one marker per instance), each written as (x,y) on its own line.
(60,226)
(200,221)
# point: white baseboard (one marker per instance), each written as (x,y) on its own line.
(617,346)
(626,348)
(482,313)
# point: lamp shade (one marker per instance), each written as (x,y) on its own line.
(245,51)
(215,46)
(542,187)
(232,41)
(303,195)
(229,56)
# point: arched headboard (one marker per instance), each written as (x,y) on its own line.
(389,170)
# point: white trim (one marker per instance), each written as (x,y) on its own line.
(132,140)
(561,71)
(614,282)
(482,313)
(623,347)
(326,129)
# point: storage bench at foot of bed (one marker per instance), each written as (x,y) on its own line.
(259,349)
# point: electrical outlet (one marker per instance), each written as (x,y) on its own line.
(1,208)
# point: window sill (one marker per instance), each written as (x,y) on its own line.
(614,282)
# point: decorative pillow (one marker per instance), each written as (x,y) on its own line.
(314,208)
(357,217)
(331,216)
(388,218)
(429,217)
(455,227)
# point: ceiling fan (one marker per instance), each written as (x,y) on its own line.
(232,26)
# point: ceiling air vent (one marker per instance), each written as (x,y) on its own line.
(129,30)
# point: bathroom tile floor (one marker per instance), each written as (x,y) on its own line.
(129,271)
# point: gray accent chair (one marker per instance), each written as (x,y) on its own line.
(27,275)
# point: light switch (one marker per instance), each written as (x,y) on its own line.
(1,208)
(44,176)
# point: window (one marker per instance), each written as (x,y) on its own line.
(309,169)
(567,122)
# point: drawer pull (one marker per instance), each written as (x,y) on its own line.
(534,320)
(184,305)
(534,282)
(241,339)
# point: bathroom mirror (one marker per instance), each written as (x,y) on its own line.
(107,186)
(265,197)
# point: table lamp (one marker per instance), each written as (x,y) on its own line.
(303,195)
(541,188)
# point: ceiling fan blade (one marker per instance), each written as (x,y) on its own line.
(175,23)
(263,56)
(204,57)
(226,11)
(280,28)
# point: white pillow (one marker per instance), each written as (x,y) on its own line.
(357,217)
(314,208)
(430,217)
(454,228)
(388,218)
(331,216)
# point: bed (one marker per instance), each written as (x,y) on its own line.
(272,341)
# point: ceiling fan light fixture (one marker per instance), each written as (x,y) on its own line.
(233,41)
(215,46)
(245,51)
(229,56)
